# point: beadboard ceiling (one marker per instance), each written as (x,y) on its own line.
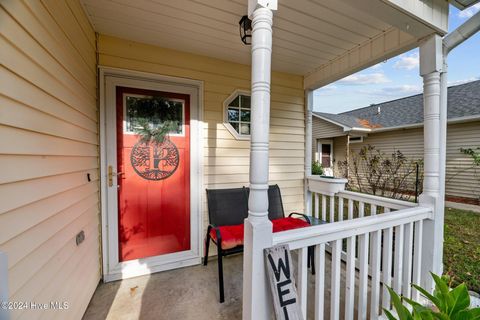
(307,33)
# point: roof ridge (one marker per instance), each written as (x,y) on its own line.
(403,98)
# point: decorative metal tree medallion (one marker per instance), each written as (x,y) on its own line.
(155,161)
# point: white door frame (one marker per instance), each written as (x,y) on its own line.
(319,149)
(109,79)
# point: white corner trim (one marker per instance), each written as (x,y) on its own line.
(196,91)
(227,125)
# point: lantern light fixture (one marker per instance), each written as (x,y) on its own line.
(245,25)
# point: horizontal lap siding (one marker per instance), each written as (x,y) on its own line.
(226,160)
(48,125)
(322,129)
(462,180)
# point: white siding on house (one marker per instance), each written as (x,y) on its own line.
(48,145)
(462,180)
(226,159)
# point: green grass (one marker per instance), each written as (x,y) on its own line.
(462,247)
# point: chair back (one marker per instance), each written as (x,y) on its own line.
(275,204)
(227,206)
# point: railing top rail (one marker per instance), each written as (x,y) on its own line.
(376,200)
(303,237)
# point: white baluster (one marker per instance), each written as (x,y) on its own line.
(317,206)
(361,209)
(398,262)
(335,286)
(340,209)
(302,279)
(332,208)
(319,281)
(324,208)
(407,261)
(350,209)
(417,258)
(363,281)
(375,267)
(350,279)
(387,266)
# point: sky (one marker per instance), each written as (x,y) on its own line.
(399,77)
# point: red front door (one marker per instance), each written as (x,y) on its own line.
(153,172)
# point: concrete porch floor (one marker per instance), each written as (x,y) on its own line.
(187,293)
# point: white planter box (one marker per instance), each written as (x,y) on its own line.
(324,185)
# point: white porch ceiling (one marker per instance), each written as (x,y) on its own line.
(307,35)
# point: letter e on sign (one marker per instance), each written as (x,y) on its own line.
(282,283)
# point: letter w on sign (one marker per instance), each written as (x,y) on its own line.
(282,283)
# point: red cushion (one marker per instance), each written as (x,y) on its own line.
(232,236)
(289,223)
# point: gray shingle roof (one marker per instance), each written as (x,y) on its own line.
(463,101)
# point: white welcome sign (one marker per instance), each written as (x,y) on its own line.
(282,283)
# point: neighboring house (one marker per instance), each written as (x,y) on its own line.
(398,125)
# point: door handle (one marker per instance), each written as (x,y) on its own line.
(111,174)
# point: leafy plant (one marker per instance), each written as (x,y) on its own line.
(154,134)
(449,304)
(475,155)
(317,168)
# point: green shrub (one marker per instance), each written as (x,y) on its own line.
(450,304)
(317,168)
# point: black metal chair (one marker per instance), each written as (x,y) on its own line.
(276,211)
(229,208)
(226,207)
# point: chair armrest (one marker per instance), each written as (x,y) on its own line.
(307,218)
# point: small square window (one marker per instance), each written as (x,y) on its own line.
(233,114)
(245,129)
(245,116)
(238,114)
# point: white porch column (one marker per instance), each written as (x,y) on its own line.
(431,66)
(258,228)
(308,149)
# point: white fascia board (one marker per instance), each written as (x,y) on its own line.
(388,44)
(408,126)
(432,14)
(345,128)
(420,125)
(356,129)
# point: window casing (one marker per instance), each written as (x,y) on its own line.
(325,152)
(237,114)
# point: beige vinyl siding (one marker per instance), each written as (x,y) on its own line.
(226,160)
(461,180)
(322,129)
(339,151)
(48,125)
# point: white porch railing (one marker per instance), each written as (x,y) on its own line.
(378,240)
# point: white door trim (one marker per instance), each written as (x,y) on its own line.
(319,149)
(109,79)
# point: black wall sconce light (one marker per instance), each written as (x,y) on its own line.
(245,30)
